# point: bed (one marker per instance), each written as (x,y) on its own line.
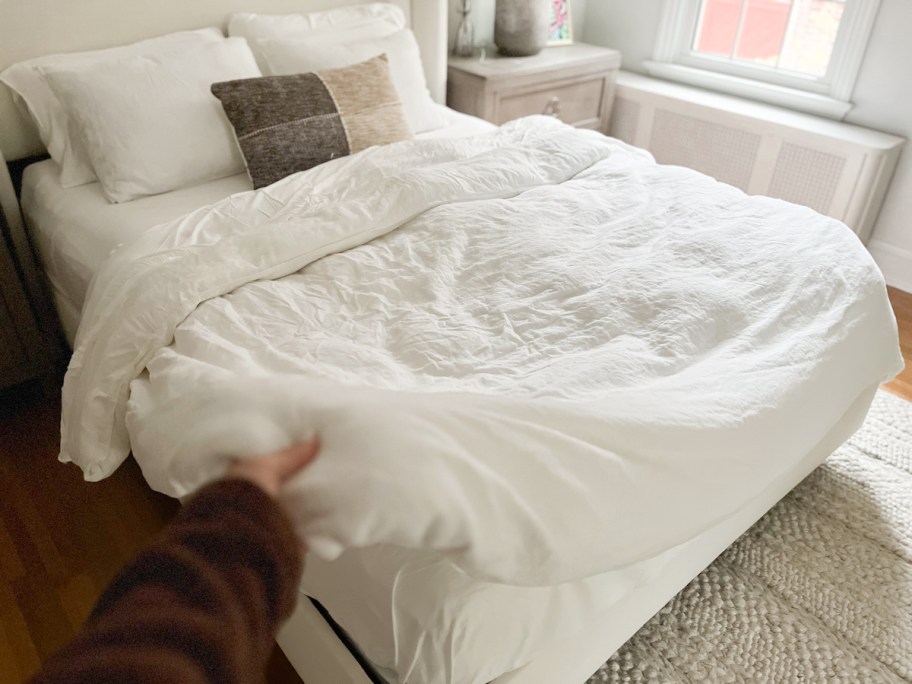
(640,367)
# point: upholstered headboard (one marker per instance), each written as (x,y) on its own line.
(30,28)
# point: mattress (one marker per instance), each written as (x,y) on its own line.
(75,229)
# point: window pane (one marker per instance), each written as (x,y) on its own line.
(790,35)
(809,46)
(718,27)
(763,31)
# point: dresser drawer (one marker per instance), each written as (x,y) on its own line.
(12,352)
(577,103)
(22,349)
(574,82)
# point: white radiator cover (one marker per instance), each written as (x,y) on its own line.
(838,169)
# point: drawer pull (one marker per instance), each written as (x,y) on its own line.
(553,107)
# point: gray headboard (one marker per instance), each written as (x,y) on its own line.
(29,28)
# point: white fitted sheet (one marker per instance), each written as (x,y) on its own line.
(75,229)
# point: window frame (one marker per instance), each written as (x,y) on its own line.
(828,95)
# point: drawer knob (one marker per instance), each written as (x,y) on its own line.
(553,107)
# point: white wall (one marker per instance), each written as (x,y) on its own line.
(882,97)
(883,100)
(630,27)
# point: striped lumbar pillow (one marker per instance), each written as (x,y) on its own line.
(286,124)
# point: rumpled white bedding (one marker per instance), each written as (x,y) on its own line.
(75,229)
(534,351)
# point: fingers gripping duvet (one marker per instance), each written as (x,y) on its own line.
(535,351)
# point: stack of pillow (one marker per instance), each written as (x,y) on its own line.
(281,94)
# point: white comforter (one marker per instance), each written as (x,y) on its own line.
(535,351)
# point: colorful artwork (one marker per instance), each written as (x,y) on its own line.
(561,32)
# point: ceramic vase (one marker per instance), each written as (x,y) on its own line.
(521,26)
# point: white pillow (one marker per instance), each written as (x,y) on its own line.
(150,123)
(42,106)
(340,25)
(295,56)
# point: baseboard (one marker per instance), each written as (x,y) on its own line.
(895,262)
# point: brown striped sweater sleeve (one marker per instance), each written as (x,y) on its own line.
(200,604)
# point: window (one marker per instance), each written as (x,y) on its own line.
(803,54)
(789,36)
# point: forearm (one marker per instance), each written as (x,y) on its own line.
(200,604)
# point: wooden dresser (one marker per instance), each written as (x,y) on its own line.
(572,82)
(24,350)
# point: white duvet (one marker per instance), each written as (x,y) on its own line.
(534,351)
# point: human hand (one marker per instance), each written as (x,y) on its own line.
(271,471)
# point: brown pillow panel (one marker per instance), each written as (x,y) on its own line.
(286,124)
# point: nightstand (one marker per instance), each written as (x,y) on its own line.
(573,82)
(24,352)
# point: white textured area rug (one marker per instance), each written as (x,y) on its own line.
(819,590)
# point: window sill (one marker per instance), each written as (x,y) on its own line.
(811,103)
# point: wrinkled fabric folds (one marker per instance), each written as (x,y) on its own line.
(534,351)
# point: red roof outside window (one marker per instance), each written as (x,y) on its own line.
(791,35)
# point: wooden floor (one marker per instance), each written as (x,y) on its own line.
(62,540)
(902,307)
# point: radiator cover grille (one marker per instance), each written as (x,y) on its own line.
(806,176)
(725,153)
(836,169)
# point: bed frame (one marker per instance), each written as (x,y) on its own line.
(30,28)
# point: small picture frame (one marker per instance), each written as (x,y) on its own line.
(561,28)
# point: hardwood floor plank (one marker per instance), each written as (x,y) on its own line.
(902,307)
(77,598)
(40,606)
(34,546)
(20,656)
(10,669)
(10,564)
